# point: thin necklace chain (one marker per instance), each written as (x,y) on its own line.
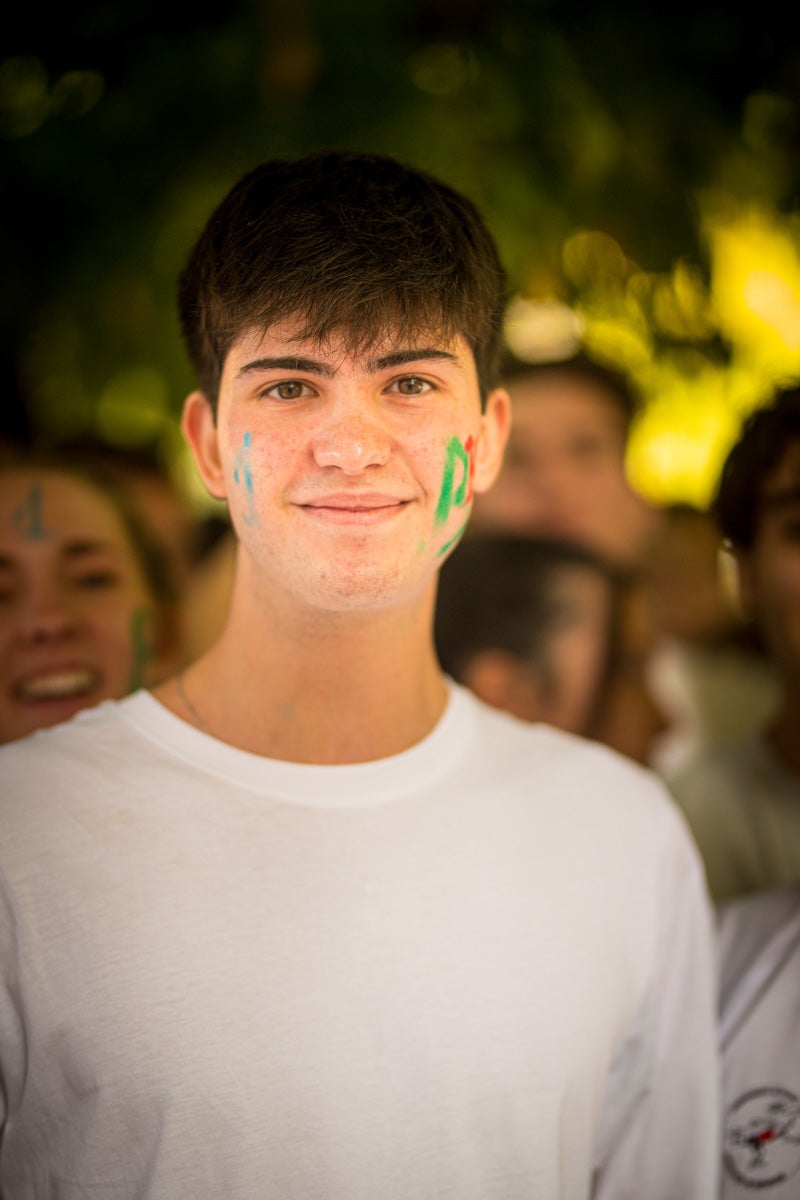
(190,708)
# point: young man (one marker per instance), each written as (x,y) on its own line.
(307,922)
(743,800)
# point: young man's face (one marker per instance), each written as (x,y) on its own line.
(770,571)
(349,477)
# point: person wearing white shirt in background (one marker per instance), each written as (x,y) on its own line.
(743,799)
(744,804)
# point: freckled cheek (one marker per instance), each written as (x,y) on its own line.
(431,462)
(262,454)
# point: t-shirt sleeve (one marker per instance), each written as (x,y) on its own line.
(660,1133)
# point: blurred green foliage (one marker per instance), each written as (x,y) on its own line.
(123,124)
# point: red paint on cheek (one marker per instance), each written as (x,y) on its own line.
(470,445)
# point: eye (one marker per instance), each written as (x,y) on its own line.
(288,389)
(97,579)
(411,385)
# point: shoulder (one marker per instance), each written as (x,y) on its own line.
(566,755)
(584,783)
(55,769)
(40,752)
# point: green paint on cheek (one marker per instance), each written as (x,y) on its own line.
(456,538)
(421,547)
(458,457)
(141,644)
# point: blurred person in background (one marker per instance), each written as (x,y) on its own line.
(743,800)
(86,598)
(744,804)
(712,672)
(631,716)
(564,476)
(526,624)
(564,473)
(198,546)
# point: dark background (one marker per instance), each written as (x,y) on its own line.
(123,124)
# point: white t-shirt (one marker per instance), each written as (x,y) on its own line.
(759,941)
(743,806)
(480,969)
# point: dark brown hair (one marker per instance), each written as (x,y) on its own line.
(498,592)
(763,441)
(350,244)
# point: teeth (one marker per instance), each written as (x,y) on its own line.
(58,685)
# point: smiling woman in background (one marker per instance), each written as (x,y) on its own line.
(85,598)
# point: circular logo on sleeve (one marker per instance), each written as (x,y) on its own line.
(762,1137)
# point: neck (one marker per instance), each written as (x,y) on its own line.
(341,688)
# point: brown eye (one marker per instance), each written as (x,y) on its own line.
(290,389)
(412,385)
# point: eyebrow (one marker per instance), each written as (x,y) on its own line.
(83,547)
(71,551)
(399,358)
(310,366)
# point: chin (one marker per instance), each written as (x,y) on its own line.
(363,590)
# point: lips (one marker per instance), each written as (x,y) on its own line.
(354,502)
(352,509)
(61,684)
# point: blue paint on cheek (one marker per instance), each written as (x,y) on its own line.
(243,474)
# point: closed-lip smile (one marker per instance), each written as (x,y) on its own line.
(360,507)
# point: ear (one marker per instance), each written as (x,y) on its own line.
(495,426)
(201,433)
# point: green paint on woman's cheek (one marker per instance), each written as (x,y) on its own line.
(141,630)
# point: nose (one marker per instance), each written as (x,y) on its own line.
(352,439)
(45,616)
